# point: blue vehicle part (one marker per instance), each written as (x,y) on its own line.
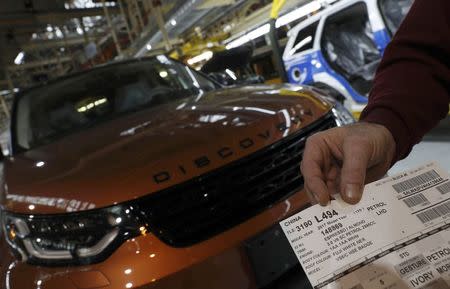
(302,69)
(382,39)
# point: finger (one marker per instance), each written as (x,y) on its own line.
(314,181)
(311,197)
(331,187)
(332,175)
(317,185)
(376,172)
(314,160)
(357,153)
(338,180)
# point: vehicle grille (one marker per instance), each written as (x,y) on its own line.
(202,207)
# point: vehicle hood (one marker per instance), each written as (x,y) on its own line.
(156,148)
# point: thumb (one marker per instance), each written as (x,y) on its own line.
(355,162)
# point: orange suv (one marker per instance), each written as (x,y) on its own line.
(147,174)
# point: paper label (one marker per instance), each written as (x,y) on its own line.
(396,237)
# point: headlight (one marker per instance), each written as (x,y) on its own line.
(342,115)
(78,238)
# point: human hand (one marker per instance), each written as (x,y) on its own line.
(343,159)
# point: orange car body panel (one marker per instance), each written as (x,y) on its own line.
(117,161)
(152,261)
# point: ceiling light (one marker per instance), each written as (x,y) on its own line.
(100,101)
(260,31)
(91,105)
(173,22)
(163,74)
(6,92)
(40,164)
(58,33)
(266,111)
(79,30)
(237,42)
(231,74)
(149,46)
(227,28)
(19,58)
(283,20)
(201,57)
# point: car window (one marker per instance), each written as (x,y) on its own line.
(393,12)
(349,46)
(203,82)
(68,105)
(304,39)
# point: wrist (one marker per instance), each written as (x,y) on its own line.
(388,140)
(394,130)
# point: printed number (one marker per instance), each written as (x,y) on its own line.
(331,228)
(326,215)
(304,225)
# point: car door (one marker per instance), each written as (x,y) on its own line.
(300,53)
(352,42)
(393,13)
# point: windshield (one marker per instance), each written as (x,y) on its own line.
(394,11)
(66,106)
(305,39)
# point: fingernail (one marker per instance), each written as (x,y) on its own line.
(327,203)
(353,192)
(313,199)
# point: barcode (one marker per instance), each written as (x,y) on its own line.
(444,188)
(434,213)
(416,200)
(416,181)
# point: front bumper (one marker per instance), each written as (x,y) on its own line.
(250,255)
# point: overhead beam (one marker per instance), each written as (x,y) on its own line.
(141,50)
(41,17)
(39,63)
(54,43)
(112,28)
(11,91)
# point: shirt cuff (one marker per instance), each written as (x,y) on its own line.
(395,124)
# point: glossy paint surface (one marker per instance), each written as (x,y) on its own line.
(118,161)
(146,262)
(126,158)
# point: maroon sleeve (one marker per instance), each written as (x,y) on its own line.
(411,91)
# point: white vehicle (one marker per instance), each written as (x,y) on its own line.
(339,48)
